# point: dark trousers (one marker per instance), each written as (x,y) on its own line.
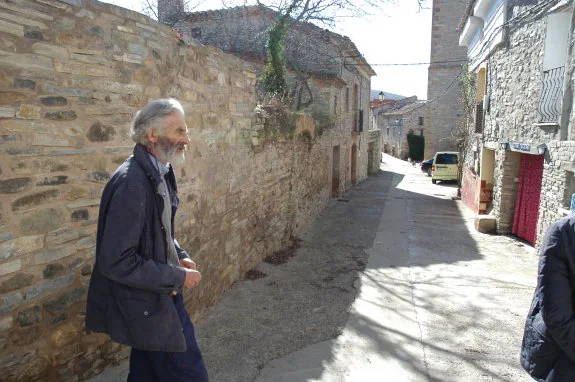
(155,366)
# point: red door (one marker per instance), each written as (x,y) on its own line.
(528,196)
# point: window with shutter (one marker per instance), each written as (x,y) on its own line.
(479,118)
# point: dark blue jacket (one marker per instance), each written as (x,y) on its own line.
(131,288)
(550,326)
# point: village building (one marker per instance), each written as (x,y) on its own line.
(444,110)
(521,168)
(327,74)
(397,121)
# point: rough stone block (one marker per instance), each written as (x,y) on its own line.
(20,246)
(47,49)
(69,353)
(10,97)
(24,337)
(29,316)
(13,29)
(66,115)
(49,286)
(35,35)
(42,221)
(64,301)
(35,199)
(53,254)
(7,112)
(52,181)
(65,335)
(53,270)
(10,301)
(16,282)
(80,215)
(85,150)
(50,140)
(68,92)
(84,69)
(54,101)
(486,224)
(15,185)
(28,112)
(100,133)
(6,323)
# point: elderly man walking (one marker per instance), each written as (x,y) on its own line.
(135,293)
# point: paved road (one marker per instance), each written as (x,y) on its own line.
(436,300)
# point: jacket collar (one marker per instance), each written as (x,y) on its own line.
(141,156)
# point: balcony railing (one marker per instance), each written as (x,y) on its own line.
(551,94)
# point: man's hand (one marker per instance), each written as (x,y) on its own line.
(188,263)
(192,279)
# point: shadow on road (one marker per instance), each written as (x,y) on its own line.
(308,299)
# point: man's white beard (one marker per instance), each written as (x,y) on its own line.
(169,153)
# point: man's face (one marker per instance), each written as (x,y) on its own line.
(171,141)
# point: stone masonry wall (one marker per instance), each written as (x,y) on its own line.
(514,86)
(72,74)
(443,87)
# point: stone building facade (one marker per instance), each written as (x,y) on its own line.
(72,74)
(444,109)
(397,119)
(327,68)
(520,56)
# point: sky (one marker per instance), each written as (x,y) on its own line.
(399,33)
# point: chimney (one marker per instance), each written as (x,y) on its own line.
(170,11)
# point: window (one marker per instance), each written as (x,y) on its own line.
(480,97)
(569,189)
(446,159)
(554,58)
(420,123)
(196,32)
(335,105)
(346,99)
(387,131)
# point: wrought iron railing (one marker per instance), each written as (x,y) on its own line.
(551,94)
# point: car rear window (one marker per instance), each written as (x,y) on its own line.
(446,159)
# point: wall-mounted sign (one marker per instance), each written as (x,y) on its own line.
(516,146)
(526,148)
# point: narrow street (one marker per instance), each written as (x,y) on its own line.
(437,301)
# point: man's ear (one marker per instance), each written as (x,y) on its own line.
(152,135)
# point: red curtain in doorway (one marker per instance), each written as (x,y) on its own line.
(528,197)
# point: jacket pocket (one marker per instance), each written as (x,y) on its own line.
(539,352)
(150,323)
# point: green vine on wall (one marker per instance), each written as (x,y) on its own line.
(274,77)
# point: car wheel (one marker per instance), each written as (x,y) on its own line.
(433,181)
(428,172)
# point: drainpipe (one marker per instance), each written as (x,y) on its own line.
(567,106)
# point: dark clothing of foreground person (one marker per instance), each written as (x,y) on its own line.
(135,293)
(548,349)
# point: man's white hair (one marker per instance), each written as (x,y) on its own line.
(151,116)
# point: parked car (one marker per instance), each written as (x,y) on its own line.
(426,166)
(444,166)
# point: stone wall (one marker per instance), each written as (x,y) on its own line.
(514,85)
(443,87)
(72,74)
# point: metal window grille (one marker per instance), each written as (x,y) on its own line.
(479,118)
(551,92)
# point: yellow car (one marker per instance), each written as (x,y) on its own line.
(444,166)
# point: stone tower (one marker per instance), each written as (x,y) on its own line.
(443,86)
(169,11)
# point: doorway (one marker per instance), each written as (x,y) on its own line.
(354,163)
(528,197)
(370,158)
(335,173)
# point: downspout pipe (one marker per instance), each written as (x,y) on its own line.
(567,104)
